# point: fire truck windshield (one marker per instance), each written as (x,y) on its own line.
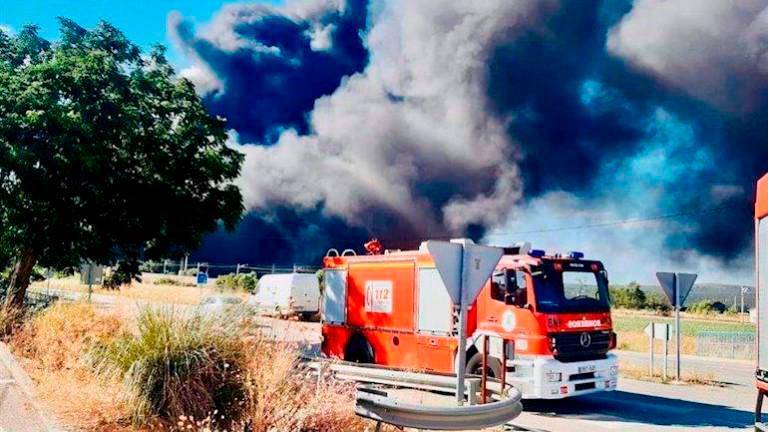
(570,287)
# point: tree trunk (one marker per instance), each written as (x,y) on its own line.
(20,278)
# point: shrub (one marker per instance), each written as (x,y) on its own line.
(53,343)
(245,282)
(281,398)
(118,277)
(59,335)
(321,280)
(657,302)
(631,297)
(706,306)
(178,366)
(171,281)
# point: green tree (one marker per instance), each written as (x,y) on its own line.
(105,155)
(631,297)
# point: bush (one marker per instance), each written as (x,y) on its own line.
(631,297)
(707,306)
(657,302)
(178,366)
(118,277)
(171,281)
(244,282)
(59,335)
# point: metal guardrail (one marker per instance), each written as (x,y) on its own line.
(732,345)
(376,405)
(383,409)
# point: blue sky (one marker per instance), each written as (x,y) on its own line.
(143,21)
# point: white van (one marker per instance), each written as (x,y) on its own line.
(288,294)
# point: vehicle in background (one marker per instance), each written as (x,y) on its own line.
(220,304)
(761,302)
(285,295)
(394,310)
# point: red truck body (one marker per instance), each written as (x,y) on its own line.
(393,310)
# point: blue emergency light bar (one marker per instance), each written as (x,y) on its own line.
(576,255)
(537,253)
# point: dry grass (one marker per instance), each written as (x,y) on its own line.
(282,400)
(638,341)
(51,346)
(278,396)
(146,290)
(643,374)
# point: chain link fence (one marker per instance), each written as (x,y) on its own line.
(732,345)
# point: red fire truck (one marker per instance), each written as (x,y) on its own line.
(761,270)
(392,309)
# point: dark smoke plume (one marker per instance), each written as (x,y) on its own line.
(426,118)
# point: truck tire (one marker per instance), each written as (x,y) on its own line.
(309,316)
(358,350)
(475,365)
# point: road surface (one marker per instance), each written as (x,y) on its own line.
(19,412)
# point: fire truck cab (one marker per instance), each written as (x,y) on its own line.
(393,310)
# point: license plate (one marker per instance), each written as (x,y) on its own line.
(586,369)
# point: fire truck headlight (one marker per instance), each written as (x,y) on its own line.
(614,370)
(554,376)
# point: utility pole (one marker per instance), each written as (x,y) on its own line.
(677,325)
(744,290)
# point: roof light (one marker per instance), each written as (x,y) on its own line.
(576,255)
(537,253)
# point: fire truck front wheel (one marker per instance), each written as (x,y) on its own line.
(475,365)
(358,350)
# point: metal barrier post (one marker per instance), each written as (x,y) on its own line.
(503,364)
(484,382)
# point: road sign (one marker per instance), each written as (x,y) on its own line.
(659,331)
(464,268)
(671,282)
(684,284)
(202,278)
(448,259)
(676,286)
(667,282)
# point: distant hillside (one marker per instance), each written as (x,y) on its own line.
(726,294)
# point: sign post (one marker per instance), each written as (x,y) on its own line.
(676,286)
(658,331)
(464,268)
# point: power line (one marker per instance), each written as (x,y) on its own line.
(618,222)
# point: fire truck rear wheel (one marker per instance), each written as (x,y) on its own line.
(475,365)
(358,350)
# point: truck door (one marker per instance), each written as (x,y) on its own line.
(435,321)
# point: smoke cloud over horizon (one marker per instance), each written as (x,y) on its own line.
(414,119)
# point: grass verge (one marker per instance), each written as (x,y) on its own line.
(170,371)
(643,374)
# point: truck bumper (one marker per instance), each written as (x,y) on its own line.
(575,378)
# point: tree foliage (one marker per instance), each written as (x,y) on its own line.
(105,154)
(633,297)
